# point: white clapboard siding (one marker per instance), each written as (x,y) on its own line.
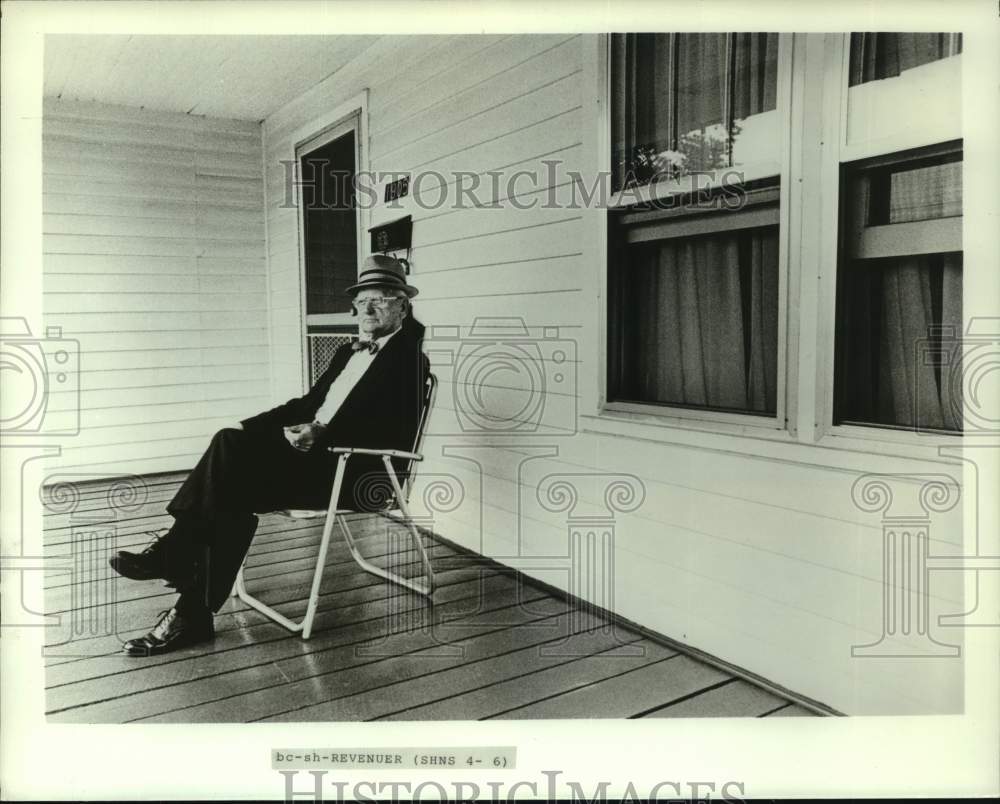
(155,263)
(760,559)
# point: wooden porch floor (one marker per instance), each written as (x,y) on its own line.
(491,645)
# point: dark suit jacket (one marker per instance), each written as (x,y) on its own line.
(382,411)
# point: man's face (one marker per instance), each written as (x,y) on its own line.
(379,312)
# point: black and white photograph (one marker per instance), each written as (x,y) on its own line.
(377,382)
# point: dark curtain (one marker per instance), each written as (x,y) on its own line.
(676,98)
(755,81)
(886,55)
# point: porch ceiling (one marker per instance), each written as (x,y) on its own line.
(237,77)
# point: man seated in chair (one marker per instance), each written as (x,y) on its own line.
(370,396)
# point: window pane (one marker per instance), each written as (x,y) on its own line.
(904,194)
(899,364)
(893,307)
(678,100)
(641,80)
(330,229)
(694,321)
(702,139)
(756,73)
(885,55)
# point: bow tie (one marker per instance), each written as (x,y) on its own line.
(371,346)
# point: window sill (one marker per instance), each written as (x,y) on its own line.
(885,441)
(698,418)
(840,450)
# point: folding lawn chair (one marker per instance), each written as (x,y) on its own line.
(397,501)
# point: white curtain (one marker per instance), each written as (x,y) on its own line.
(914,386)
(906,314)
(925,193)
(701,322)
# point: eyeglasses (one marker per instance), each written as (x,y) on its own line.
(380,303)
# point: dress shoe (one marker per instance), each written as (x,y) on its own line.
(158,560)
(172,632)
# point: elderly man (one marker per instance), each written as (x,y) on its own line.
(370,396)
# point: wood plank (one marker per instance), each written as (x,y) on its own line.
(304,664)
(378,652)
(627,694)
(538,679)
(405,681)
(791,710)
(437,86)
(153,246)
(279,566)
(136,617)
(735,698)
(135,225)
(474,95)
(157,311)
(279,584)
(154,284)
(335,606)
(88,680)
(97,176)
(84,112)
(559,94)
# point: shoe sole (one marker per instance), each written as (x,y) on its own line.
(124,568)
(143,651)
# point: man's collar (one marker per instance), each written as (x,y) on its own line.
(380,342)
(385,338)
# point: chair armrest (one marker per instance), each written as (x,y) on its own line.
(392,453)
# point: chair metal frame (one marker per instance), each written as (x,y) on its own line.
(334,515)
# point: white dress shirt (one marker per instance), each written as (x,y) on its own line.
(356,366)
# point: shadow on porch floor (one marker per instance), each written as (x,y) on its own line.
(491,645)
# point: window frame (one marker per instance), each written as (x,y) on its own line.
(349,124)
(350,115)
(836,151)
(673,415)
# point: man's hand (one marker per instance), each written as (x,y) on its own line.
(303,436)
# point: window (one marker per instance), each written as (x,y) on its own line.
(902,86)
(875,56)
(331,240)
(899,262)
(900,291)
(693,270)
(690,102)
(329,225)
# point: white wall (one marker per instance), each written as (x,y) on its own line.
(749,548)
(154,262)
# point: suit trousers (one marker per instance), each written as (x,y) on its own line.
(240,474)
